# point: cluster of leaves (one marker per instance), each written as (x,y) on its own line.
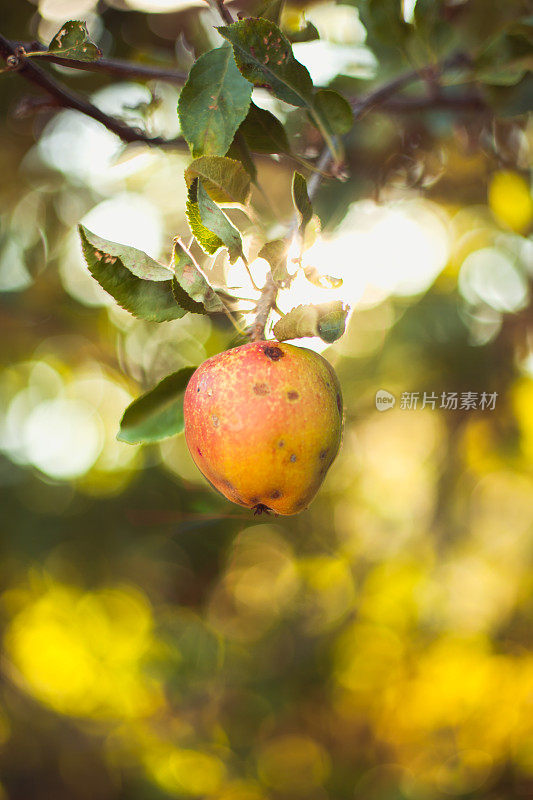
(215,104)
(496,37)
(219,121)
(158,293)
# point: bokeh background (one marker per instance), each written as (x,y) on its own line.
(158,642)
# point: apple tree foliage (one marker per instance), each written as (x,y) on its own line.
(485,47)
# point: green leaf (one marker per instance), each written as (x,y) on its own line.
(184,300)
(194,284)
(301,200)
(157,414)
(334,111)
(506,74)
(225,180)
(332,322)
(263,132)
(72,41)
(240,151)
(524,27)
(137,282)
(513,101)
(213,102)
(265,58)
(215,219)
(505,62)
(311,233)
(209,225)
(308,33)
(275,253)
(326,320)
(431,27)
(208,241)
(271,10)
(384,22)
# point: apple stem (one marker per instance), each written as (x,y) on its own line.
(265,304)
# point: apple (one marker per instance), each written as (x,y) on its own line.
(263,423)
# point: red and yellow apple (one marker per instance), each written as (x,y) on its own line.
(263,423)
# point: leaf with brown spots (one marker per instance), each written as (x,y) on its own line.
(72,41)
(264,56)
(213,102)
(137,282)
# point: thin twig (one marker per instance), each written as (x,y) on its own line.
(223,11)
(265,304)
(109,66)
(250,275)
(409,105)
(67,99)
(379,96)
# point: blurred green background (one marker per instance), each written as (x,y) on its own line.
(158,642)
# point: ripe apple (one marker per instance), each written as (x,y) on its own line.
(263,423)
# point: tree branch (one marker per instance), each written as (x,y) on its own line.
(109,66)
(381,95)
(224,11)
(66,99)
(62,97)
(409,105)
(129,69)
